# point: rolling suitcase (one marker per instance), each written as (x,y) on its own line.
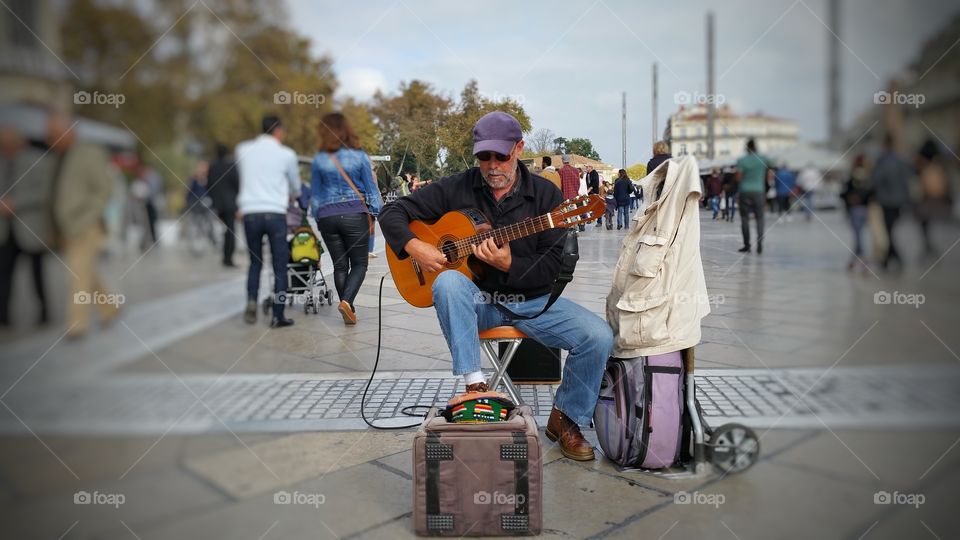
(478,479)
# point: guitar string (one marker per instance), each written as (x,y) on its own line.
(535,225)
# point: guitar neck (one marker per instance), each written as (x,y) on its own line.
(502,235)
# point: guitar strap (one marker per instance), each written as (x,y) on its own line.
(568,262)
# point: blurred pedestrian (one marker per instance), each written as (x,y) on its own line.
(197,187)
(786,182)
(82,188)
(661,153)
(610,203)
(752,170)
(935,202)
(622,189)
(890,180)
(729,187)
(223,185)
(25,216)
(549,172)
(345,202)
(856,195)
(569,182)
(593,186)
(153,198)
(807,182)
(714,190)
(269,182)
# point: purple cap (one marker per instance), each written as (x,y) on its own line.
(496,131)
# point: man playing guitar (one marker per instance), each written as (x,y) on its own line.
(519,273)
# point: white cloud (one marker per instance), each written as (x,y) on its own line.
(361,82)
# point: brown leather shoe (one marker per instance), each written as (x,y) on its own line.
(477,387)
(572,443)
(349,317)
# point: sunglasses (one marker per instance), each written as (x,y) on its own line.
(487,155)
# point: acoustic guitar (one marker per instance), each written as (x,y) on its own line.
(456,232)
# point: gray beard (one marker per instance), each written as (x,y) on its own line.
(498,181)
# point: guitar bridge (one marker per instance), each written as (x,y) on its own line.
(416,268)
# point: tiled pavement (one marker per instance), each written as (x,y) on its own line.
(885,377)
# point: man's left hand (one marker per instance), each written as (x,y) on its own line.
(497,257)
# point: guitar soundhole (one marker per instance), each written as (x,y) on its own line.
(450,250)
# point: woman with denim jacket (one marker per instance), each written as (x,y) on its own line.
(344,216)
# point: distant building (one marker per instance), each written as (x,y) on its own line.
(30,44)
(686,132)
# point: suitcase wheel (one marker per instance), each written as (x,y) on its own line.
(734,448)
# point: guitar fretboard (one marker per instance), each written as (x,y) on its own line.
(503,234)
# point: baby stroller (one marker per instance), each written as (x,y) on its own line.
(305,281)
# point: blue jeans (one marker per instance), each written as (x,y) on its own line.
(623,215)
(274,227)
(858,218)
(463,310)
(715,205)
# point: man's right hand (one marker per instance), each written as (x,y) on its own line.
(427,255)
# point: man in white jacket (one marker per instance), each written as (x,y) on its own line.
(269,180)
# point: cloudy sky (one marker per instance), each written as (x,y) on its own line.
(569,61)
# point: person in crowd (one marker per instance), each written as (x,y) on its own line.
(936,202)
(856,195)
(569,182)
(622,189)
(661,153)
(82,188)
(714,189)
(501,187)
(752,170)
(223,185)
(891,187)
(786,182)
(610,203)
(592,178)
(345,201)
(25,217)
(197,187)
(269,182)
(549,172)
(808,181)
(729,194)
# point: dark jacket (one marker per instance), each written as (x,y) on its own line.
(593,182)
(536,259)
(223,184)
(655,161)
(622,189)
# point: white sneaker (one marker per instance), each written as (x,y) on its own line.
(372,255)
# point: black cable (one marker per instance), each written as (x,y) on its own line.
(376,362)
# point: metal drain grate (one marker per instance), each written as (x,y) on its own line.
(855,397)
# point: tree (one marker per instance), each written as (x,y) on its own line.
(637,171)
(456,133)
(541,141)
(560,145)
(582,147)
(409,124)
